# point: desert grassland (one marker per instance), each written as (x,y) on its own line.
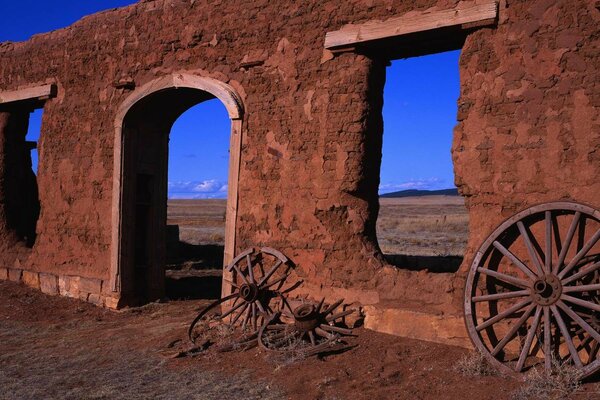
(200,221)
(421,226)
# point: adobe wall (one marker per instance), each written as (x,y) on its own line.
(528,129)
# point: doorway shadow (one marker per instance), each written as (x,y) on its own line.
(193,271)
(434,264)
(185,285)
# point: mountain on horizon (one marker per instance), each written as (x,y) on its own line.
(421,193)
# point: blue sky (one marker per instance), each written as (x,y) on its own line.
(419,112)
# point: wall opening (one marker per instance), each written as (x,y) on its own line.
(19,192)
(148,245)
(422,221)
(197,201)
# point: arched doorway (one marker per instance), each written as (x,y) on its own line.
(142,127)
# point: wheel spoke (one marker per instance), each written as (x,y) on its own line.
(271,272)
(529,339)
(232,309)
(338,315)
(234,320)
(567,243)
(532,252)
(508,337)
(275,282)
(502,315)
(500,296)
(311,336)
(581,288)
(547,341)
(253,316)
(591,331)
(230,283)
(594,352)
(320,305)
(336,329)
(580,302)
(567,336)
(237,269)
(332,307)
(503,277)
(548,255)
(582,273)
(247,317)
(324,334)
(593,240)
(515,260)
(249,267)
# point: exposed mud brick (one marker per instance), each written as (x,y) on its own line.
(49,283)
(90,285)
(4,274)
(95,299)
(31,279)
(15,275)
(68,286)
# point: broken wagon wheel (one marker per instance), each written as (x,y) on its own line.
(532,293)
(209,327)
(257,274)
(313,331)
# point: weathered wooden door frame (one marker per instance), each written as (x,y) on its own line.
(234,105)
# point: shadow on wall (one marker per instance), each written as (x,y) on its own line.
(430,263)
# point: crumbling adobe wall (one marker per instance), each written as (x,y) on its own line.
(529,128)
(312,126)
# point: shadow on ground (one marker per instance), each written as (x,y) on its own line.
(431,263)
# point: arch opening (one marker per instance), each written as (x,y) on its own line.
(139,253)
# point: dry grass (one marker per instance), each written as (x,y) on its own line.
(424,226)
(474,364)
(431,226)
(563,382)
(200,221)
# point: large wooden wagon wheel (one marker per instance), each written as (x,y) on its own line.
(258,276)
(533,291)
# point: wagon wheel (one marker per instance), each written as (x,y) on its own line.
(257,276)
(313,329)
(532,293)
(211,327)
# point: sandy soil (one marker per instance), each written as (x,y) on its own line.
(58,348)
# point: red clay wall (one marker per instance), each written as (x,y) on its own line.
(528,127)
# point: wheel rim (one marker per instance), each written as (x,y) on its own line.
(532,293)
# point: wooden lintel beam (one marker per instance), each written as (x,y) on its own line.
(42,92)
(484,14)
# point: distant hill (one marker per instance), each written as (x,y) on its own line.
(420,193)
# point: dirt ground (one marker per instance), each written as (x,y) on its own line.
(59,348)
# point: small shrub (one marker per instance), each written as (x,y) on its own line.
(563,381)
(474,364)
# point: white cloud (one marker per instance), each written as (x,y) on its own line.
(207,189)
(419,184)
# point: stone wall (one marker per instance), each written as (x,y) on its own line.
(527,132)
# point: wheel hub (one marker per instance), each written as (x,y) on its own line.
(547,290)
(306,317)
(249,292)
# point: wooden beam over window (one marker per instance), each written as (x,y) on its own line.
(42,92)
(482,14)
